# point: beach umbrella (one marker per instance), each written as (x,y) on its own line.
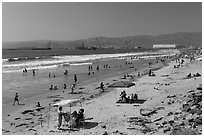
(65,102)
(121,84)
(61,103)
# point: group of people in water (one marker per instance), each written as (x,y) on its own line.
(90,68)
(25,71)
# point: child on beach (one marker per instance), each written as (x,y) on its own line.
(16,99)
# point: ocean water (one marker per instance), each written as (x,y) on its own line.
(30,63)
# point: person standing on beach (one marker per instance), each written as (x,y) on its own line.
(102,87)
(75,78)
(60,114)
(72,88)
(33,72)
(66,72)
(65,86)
(16,99)
(97,68)
(138,74)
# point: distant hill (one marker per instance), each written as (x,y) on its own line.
(183,39)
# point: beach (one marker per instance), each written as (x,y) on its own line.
(102,114)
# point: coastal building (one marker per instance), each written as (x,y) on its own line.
(164,46)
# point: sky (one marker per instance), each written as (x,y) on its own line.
(73,21)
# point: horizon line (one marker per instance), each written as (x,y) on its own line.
(98,37)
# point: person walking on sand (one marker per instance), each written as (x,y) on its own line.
(75,78)
(16,99)
(72,88)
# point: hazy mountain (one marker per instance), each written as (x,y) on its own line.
(143,41)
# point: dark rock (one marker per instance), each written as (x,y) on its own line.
(56,100)
(166,129)
(23,124)
(17,118)
(171,121)
(32,113)
(169,103)
(27,111)
(164,123)
(158,119)
(28,118)
(103,126)
(4,130)
(199,87)
(147,112)
(38,109)
(170,113)
(105,133)
(31,129)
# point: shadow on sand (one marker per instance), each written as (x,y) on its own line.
(87,125)
(138,101)
(21,104)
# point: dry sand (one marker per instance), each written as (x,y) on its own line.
(103,114)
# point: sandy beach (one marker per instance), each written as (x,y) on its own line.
(164,94)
